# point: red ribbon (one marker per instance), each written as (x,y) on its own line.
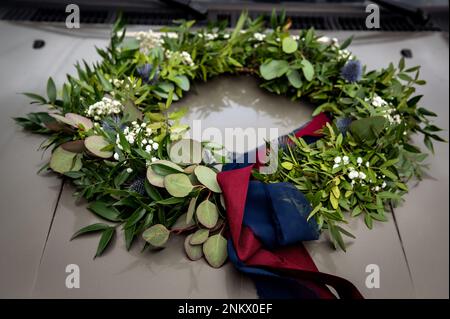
(294,260)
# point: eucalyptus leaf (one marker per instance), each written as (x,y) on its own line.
(273,69)
(157,235)
(215,250)
(96,144)
(194,252)
(199,237)
(178,185)
(63,161)
(207,177)
(207,214)
(289,45)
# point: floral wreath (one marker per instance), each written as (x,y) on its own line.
(111,131)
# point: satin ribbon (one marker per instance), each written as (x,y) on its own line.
(267,224)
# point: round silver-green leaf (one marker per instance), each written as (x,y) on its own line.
(207,177)
(289,45)
(157,235)
(194,252)
(154,179)
(207,214)
(95,144)
(63,161)
(215,250)
(199,237)
(178,185)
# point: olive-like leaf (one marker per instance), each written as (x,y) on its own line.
(178,185)
(157,235)
(194,252)
(207,177)
(199,237)
(90,229)
(105,239)
(207,214)
(105,211)
(95,144)
(215,250)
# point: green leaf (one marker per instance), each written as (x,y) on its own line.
(63,161)
(334,201)
(90,229)
(191,210)
(182,81)
(289,45)
(207,214)
(105,211)
(152,191)
(426,112)
(215,250)
(389,174)
(207,177)
(154,179)
(273,69)
(135,217)
(178,185)
(105,239)
(346,43)
(107,86)
(194,252)
(170,201)
(287,165)
(294,78)
(199,237)
(129,44)
(35,97)
(308,70)
(157,235)
(51,90)
(96,144)
(368,129)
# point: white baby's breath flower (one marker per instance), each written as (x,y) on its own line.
(129,170)
(148,148)
(337,159)
(345,159)
(353,175)
(359,160)
(361,175)
(116,156)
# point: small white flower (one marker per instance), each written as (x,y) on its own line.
(353,174)
(367,164)
(377,188)
(129,170)
(155,146)
(116,156)
(335,166)
(154,159)
(359,160)
(144,141)
(345,159)
(324,40)
(361,175)
(148,148)
(383,185)
(337,159)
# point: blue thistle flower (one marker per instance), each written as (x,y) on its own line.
(144,71)
(352,71)
(138,185)
(342,124)
(108,123)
